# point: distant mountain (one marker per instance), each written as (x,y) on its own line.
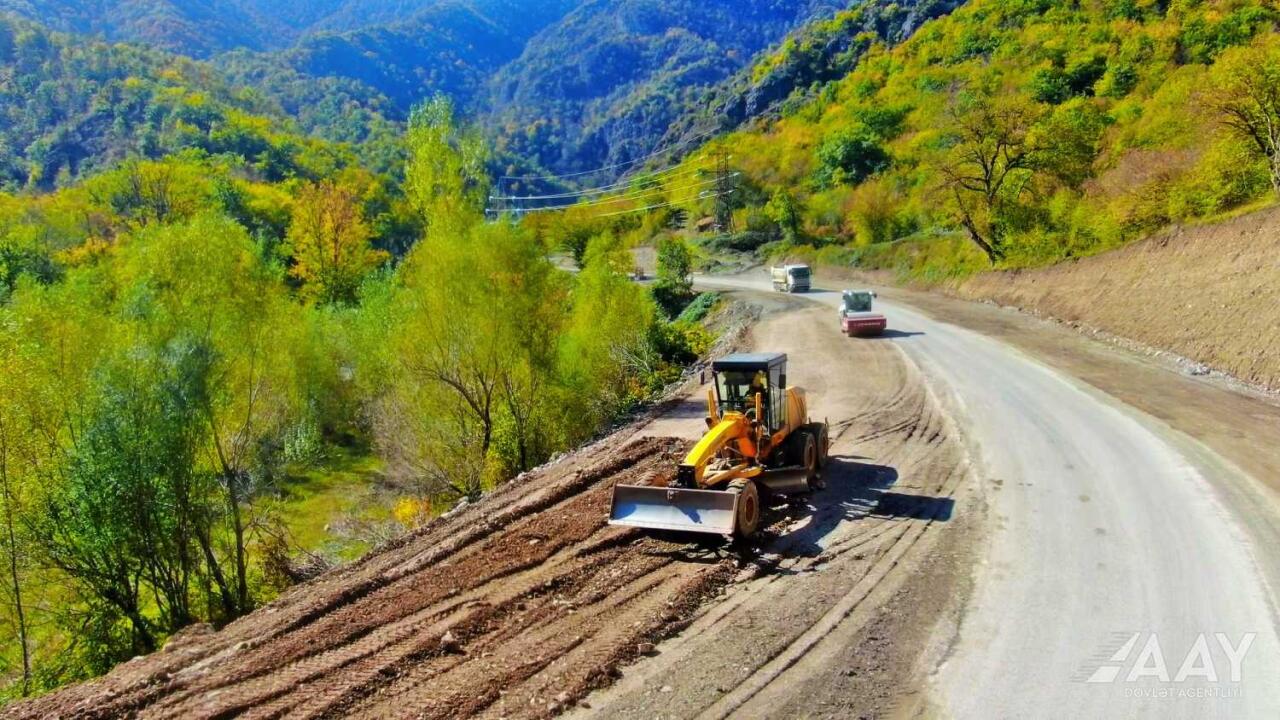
(447,46)
(197,28)
(604,84)
(816,54)
(71,107)
(562,85)
(203,28)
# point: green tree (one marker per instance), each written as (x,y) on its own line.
(993,158)
(605,354)
(850,156)
(673,286)
(122,523)
(478,315)
(10,495)
(1246,95)
(330,242)
(784,212)
(445,176)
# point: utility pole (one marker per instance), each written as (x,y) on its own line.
(724,188)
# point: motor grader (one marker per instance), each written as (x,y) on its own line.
(759,439)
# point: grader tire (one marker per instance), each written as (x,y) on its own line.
(824,444)
(811,458)
(747,519)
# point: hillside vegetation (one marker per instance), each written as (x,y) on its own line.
(448,47)
(1016,133)
(603,85)
(202,28)
(193,344)
(562,85)
(70,108)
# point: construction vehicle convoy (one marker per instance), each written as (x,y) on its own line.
(856,315)
(760,439)
(791,278)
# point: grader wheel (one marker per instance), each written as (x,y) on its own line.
(747,519)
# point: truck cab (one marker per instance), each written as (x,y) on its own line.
(791,278)
(738,378)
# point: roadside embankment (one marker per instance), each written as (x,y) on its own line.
(1209,293)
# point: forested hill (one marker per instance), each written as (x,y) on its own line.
(818,53)
(201,28)
(449,47)
(1015,133)
(197,29)
(603,85)
(561,85)
(70,108)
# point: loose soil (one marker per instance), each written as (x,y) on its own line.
(513,606)
(839,614)
(524,603)
(1210,293)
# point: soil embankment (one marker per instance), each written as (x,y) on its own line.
(1208,293)
(514,606)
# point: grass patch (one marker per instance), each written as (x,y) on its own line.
(318,499)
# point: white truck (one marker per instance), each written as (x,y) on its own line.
(790,278)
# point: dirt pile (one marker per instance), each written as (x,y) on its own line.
(1207,293)
(515,606)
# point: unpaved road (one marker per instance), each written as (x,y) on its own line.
(850,590)
(1105,524)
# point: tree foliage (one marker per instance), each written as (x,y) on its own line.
(330,243)
(1019,133)
(1246,94)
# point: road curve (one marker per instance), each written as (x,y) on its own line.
(1104,533)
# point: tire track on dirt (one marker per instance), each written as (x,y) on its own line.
(896,467)
(528,584)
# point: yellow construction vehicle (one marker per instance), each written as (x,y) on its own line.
(759,438)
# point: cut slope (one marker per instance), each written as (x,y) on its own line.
(1209,293)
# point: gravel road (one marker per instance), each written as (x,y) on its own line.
(1114,543)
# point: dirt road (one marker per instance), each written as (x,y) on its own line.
(1107,525)
(848,592)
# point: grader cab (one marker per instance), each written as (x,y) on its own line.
(759,439)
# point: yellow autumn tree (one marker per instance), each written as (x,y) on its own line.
(330,241)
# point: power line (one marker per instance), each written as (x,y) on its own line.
(704,195)
(614,200)
(628,163)
(604,189)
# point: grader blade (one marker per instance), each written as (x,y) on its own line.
(666,508)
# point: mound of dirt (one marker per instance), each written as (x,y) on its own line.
(515,606)
(1207,293)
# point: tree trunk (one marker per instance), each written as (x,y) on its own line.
(14,578)
(229,606)
(1275,172)
(242,579)
(993,254)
